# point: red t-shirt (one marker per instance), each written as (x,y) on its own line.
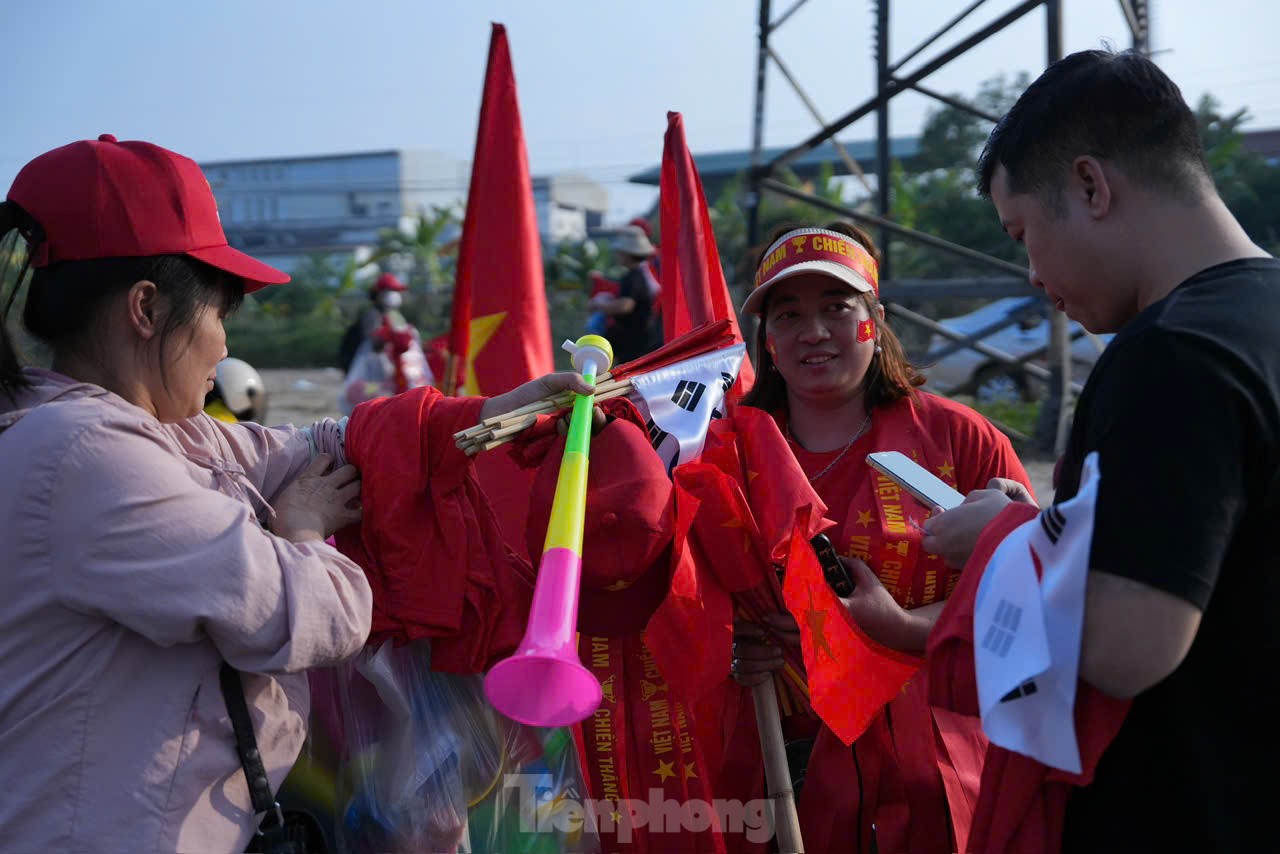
(912,781)
(875,520)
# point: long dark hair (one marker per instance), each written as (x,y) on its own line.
(890,376)
(65,301)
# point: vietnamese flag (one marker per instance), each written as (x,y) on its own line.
(500,334)
(851,677)
(693,287)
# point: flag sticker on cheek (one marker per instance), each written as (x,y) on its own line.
(866,331)
(771,345)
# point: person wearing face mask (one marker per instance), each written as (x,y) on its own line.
(838,386)
(386,355)
(386,295)
(168,581)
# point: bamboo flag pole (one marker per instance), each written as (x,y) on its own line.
(500,429)
(786,820)
(451,375)
(547,404)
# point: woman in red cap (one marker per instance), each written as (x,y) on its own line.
(385,351)
(837,383)
(164,567)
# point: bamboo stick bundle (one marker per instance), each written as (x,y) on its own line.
(504,428)
(538,407)
(546,406)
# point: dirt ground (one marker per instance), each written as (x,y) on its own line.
(301,396)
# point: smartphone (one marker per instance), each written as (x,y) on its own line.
(915,479)
(832,569)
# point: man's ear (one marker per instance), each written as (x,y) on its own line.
(142,307)
(1091,186)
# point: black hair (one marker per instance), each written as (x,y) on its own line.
(890,376)
(1114,106)
(65,300)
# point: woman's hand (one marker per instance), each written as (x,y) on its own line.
(878,614)
(543,387)
(755,654)
(316,504)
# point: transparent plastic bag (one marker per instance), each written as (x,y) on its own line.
(428,765)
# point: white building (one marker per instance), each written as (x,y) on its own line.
(567,206)
(284,209)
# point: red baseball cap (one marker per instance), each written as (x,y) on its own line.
(109,199)
(388,282)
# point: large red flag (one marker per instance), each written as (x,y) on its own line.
(501,333)
(500,336)
(693,286)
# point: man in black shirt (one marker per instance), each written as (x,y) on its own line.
(634,330)
(1099,170)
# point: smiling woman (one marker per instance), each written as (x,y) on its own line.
(836,380)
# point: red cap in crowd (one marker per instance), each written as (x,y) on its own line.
(388,282)
(109,199)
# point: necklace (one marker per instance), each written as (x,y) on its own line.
(866,421)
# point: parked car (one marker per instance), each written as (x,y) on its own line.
(967,371)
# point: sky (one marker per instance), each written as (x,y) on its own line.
(271,78)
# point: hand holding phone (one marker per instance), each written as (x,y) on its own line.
(915,479)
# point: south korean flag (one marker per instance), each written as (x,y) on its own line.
(679,401)
(1027,625)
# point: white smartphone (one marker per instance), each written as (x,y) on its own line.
(915,479)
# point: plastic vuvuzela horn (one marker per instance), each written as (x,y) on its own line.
(543,683)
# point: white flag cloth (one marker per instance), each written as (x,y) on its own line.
(1027,623)
(679,401)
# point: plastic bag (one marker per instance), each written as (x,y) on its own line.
(426,764)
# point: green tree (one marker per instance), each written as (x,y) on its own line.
(421,247)
(939,195)
(952,138)
(1249,185)
(729,218)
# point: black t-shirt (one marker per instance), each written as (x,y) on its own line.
(1184,411)
(632,334)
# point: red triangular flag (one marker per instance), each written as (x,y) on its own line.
(693,287)
(851,677)
(500,335)
(501,330)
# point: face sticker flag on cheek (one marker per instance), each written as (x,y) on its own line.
(771,345)
(866,331)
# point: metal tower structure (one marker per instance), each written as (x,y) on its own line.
(891,80)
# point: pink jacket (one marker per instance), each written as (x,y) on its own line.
(132,565)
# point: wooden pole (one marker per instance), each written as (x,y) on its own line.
(777,775)
(450,387)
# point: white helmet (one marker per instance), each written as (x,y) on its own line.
(241,390)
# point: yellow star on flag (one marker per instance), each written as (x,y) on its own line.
(947,470)
(483,329)
(690,771)
(666,770)
(817,618)
(864,518)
